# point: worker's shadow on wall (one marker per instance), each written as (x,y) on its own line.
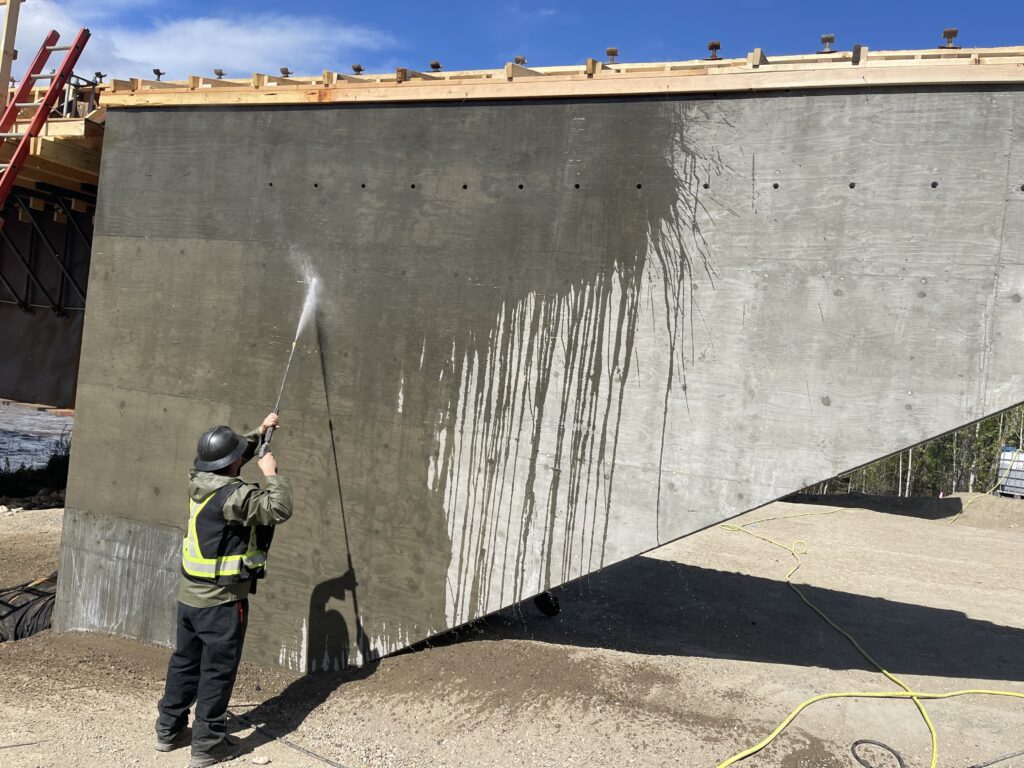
(335,629)
(330,641)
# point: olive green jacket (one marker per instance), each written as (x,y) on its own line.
(249,505)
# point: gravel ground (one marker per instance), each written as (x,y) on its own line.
(29,543)
(678,658)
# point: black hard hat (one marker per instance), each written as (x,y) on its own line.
(219,447)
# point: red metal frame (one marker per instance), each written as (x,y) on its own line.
(27,82)
(57,83)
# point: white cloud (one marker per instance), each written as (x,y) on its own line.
(530,15)
(241,47)
(196,45)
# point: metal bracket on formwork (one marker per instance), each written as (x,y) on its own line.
(69,215)
(49,246)
(22,303)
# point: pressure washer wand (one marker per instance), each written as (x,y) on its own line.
(307,309)
(265,445)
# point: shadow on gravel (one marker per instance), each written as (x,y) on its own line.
(649,606)
(279,716)
(924,507)
(329,642)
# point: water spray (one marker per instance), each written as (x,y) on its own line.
(307,312)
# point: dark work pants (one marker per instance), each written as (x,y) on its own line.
(202,670)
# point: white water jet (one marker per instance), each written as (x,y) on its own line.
(309,305)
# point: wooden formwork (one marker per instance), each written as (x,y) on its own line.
(859,67)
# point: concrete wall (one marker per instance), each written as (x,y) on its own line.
(39,350)
(554,335)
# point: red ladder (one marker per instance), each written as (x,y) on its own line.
(9,170)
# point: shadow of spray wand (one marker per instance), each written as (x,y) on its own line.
(361,642)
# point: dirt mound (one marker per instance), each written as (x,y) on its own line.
(979,510)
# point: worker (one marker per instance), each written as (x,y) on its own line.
(224,553)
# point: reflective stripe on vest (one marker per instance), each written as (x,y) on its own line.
(193,562)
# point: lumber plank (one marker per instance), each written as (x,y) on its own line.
(73,127)
(756,58)
(518,70)
(67,154)
(731,77)
(404,74)
(138,82)
(200,81)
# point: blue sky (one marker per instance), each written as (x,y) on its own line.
(192,37)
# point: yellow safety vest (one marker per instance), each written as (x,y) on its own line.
(214,551)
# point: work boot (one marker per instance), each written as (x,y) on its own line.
(179,739)
(218,753)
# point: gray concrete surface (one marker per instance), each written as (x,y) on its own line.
(554,334)
(139,562)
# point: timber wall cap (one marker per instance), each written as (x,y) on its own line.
(856,68)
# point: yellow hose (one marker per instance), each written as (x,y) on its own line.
(796,549)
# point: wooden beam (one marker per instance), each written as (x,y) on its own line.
(756,58)
(74,127)
(333,78)
(196,82)
(513,70)
(65,153)
(44,170)
(56,175)
(259,80)
(137,83)
(403,74)
(98,115)
(596,79)
(7,52)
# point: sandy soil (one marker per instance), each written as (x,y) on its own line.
(29,543)
(679,658)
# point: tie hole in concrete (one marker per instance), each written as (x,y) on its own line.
(853,185)
(935,184)
(775,185)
